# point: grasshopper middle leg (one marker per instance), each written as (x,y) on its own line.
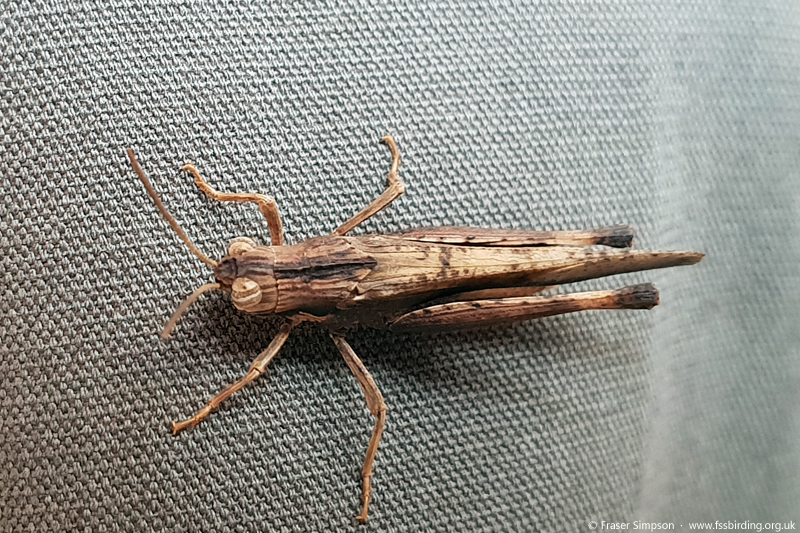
(395,189)
(376,406)
(266,204)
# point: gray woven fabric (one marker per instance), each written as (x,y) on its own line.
(682,119)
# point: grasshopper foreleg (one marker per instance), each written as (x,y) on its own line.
(267,205)
(256,369)
(395,189)
(376,406)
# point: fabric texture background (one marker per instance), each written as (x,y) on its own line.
(680,118)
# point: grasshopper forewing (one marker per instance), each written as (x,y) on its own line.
(435,278)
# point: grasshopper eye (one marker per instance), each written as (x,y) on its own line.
(240,245)
(245,293)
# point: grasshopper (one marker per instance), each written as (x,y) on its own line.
(435,278)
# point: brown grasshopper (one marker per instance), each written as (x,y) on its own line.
(437,278)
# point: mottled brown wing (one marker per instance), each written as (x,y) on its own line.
(413,269)
(613,236)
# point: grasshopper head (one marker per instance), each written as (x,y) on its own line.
(225,272)
(247,272)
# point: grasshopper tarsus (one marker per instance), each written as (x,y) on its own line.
(177,427)
(425,278)
(388,140)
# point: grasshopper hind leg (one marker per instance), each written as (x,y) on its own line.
(376,406)
(487,312)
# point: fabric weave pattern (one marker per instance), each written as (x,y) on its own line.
(681,119)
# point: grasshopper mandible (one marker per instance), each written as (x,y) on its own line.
(436,278)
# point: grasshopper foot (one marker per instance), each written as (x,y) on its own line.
(366,496)
(196,419)
(177,427)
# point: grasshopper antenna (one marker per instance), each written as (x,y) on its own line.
(192,298)
(176,316)
(172,222)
